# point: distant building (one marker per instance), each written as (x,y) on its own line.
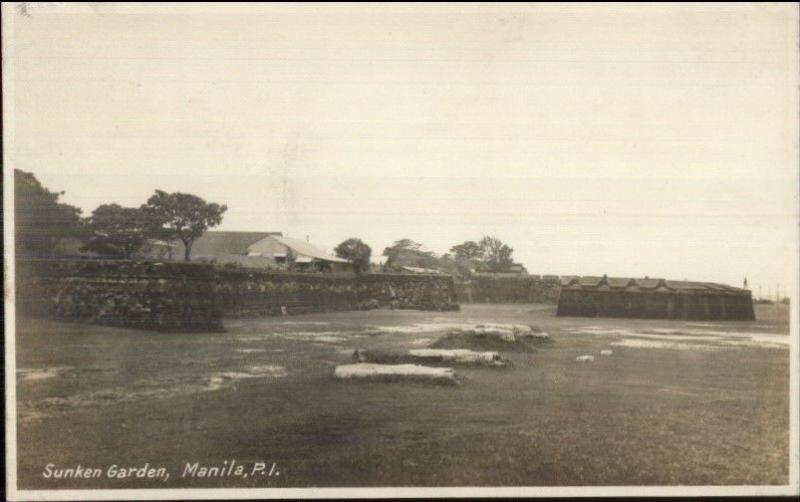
(421,270)
(403,258)
(514,270)
(270,250)
(264,250)
(229,247)
(517,268)
(653,299)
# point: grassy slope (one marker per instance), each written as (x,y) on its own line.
(642,416)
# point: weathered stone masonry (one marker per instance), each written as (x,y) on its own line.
(246,293)
(168,297)
(487,288)
(195,297)
(654,299)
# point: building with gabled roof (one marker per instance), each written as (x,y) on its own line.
(305,252)
(653,299)
(215,243)
(271,250)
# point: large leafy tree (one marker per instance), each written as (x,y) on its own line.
(356,251)
(468,250)
(404,244)
(404,247)
(181,216)
(40,219)
(496,254)
(117,231)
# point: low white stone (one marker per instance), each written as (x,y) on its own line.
(606,352)
(516,328)
(369,371)
(584,359)
(458,355)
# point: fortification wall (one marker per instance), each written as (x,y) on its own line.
(488,288)
(248,293)
(160,296)
(177,296)
(698,306)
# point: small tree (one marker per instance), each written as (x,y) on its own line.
(117,231)
(356,251)
(181,216)
(496,255)
(40,220)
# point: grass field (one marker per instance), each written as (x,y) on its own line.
(676,403)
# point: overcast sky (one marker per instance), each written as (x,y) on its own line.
(632,141)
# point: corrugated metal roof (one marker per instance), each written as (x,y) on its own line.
(619,282)
(686,285)
(648,283)
(592,283)
(566,280)
(307,249)
(215,243)
(421,270)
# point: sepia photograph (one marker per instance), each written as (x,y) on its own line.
(312,250)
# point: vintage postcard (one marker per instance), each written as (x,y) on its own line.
(400,250)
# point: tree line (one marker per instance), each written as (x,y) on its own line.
(489,254)
(41,221)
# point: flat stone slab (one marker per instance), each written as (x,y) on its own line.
(459,356)
(429,356)
(395,372)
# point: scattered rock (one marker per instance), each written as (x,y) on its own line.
(499,337)
(606,352)
(584,359)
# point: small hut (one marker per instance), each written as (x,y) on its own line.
(653,299)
